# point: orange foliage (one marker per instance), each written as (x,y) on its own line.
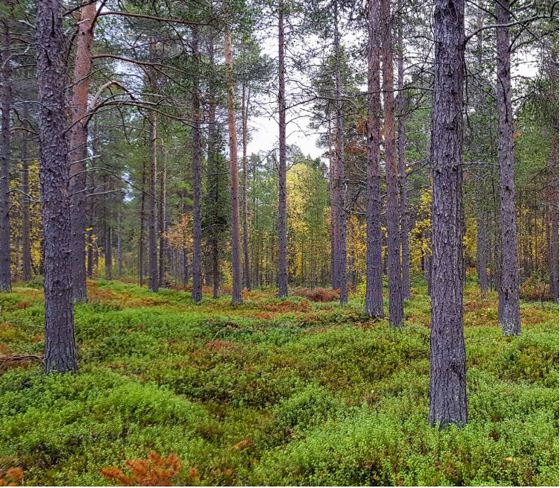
(153,471)
(318,294)
(12,477)
(303,306)
(533,289)
(219,345)
(264,315)
(244,444)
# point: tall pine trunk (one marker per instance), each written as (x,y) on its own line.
(282,213)
(339,179)
(403,179)
(25,202)
(78,149)
(141,236)
(553,216)
(197,182)
(392,173)
(162,223)
(508,291)
(5,141)
(236,297)
(448,382)
(213,174)
(245,208)
(153,275)
(60,343)
(374,264)
(482,252)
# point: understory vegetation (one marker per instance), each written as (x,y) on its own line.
(274,392)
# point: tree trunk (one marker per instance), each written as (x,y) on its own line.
(245,209)
(213,174)
(553,216)
(508,292)
(333,227)
(448,381)
(25,202)
(119,245)
(141,237)
(5,141)
(403,183)
(196,159)
(482,253)
(392,174)
(108,252)
(60,344)
(374,264)
(236,297)
(339,176)
(107,230)
(282,212)
(153,278)
(162,224)
(78,149)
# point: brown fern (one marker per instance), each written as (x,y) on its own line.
(155,470)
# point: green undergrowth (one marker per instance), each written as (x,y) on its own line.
(275,392)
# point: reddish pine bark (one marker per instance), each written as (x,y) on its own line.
(245,208)
(78,149)
(236,297)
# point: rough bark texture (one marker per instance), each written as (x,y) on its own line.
(153,275)
(339,179)
(119,245)
(553,212)
(78,149)
(141,237)
(392,173)
(245,208)
(197,178)
(213,173)
(162,223)
(25,202)
(333,217)
(282,213)
(508,291)
(448,387)
(5,141)
(482,252)
(403,180)
(553,248)
(60,344)
(108,252)
(374,263)
(236,297)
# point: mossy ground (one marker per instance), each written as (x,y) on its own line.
(276,392)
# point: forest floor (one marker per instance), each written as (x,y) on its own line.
(274,392)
